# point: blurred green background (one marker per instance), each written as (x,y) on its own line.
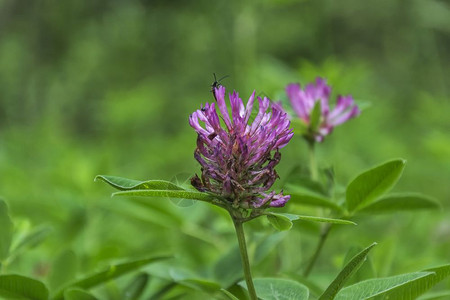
(106,87)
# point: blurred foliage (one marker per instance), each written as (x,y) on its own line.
(106,87)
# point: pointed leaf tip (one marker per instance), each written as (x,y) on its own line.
(373,183)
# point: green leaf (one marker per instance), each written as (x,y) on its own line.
(439,295)
(168,194)
(201,285)
(230,295)
(299,126)
(382,287)
(309,198)
(31,239)
(278,289)
(371,184)
(350,268)
(316,114)
(125,184)
(78,294)
(228,268)
(401,202)
(21,287)
(279,221)
(6,231)
(293,217)
(266,245)
(63,270)
(366,271)
(135,287)
(112,272)
(417,287)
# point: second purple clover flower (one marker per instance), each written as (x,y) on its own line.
(304,100)
(238,157)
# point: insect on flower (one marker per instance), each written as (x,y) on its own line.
(216,84)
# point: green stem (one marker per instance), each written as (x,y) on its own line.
(312,261)
(244,257)
(312,161)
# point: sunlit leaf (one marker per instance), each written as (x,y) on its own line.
(78,294)
(382,287)
(371,184)
(278,289)
(6,231)
(21,287)
(349,269)
(399,203)
(125,184)
(112,272)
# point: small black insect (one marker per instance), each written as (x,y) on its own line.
(216,84)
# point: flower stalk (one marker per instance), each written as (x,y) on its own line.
(238,226)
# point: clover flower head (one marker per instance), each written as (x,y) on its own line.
(304,100)
(238,156)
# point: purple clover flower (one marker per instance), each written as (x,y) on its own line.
(303,101)
(238,157)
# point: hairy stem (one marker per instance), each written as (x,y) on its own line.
(244,257)
(323,236)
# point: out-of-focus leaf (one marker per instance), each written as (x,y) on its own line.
(31,239)
(440,295)
(228,269)
(112,272)
(299,127)
(309,198)
(201,285)
(135,288)
(78,294)
(21,287)
(64,269)
(381,286)
(316,114)
(399,203)
(350,268)
(229,295)
(264,247)
(279,221)
(183,194)
(6,231)
(276,289)
(371,184)
(125,184)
